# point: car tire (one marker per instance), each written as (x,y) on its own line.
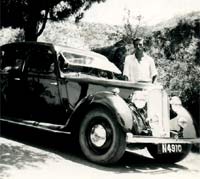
(169,158)
(101,138)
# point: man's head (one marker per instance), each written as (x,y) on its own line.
(138,45)
(138,42)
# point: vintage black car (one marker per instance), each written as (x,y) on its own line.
(76,92)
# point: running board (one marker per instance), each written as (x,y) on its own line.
(131,139)
(38,125)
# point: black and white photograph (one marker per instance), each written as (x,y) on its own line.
(99,89)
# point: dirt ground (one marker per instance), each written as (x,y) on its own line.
(38,155)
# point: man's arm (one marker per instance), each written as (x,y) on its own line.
(126,68)
(153,71)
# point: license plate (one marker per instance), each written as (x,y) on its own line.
(170,148)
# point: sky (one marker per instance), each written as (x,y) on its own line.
(152,11)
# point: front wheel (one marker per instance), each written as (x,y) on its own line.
(169,157)
(101,137)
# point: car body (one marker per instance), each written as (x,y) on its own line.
(66,90)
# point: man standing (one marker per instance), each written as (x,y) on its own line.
(139,66)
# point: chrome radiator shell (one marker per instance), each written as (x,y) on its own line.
(158,112)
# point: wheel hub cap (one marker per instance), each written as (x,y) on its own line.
(98,135)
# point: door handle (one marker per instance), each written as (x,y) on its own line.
(17,79)
(54,83)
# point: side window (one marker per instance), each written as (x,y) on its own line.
(11,59)
(41,61)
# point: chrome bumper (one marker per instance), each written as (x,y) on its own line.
(158,140)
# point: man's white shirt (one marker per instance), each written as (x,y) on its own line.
(139,71)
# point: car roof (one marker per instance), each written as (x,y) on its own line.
(26,44)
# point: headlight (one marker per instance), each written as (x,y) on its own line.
(177,107)
(175,100)
(139,99)
(182,122)
(176,103)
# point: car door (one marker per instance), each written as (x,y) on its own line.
(13,91)
(44,97)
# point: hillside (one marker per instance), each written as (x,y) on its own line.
(81,35)
(171,23)
(86,35)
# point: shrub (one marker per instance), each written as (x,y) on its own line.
(8,35)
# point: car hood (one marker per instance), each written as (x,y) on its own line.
(91,59)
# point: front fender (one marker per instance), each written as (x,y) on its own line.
(117,105)
(111,101)
(189,130)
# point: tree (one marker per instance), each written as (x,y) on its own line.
(32,15)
